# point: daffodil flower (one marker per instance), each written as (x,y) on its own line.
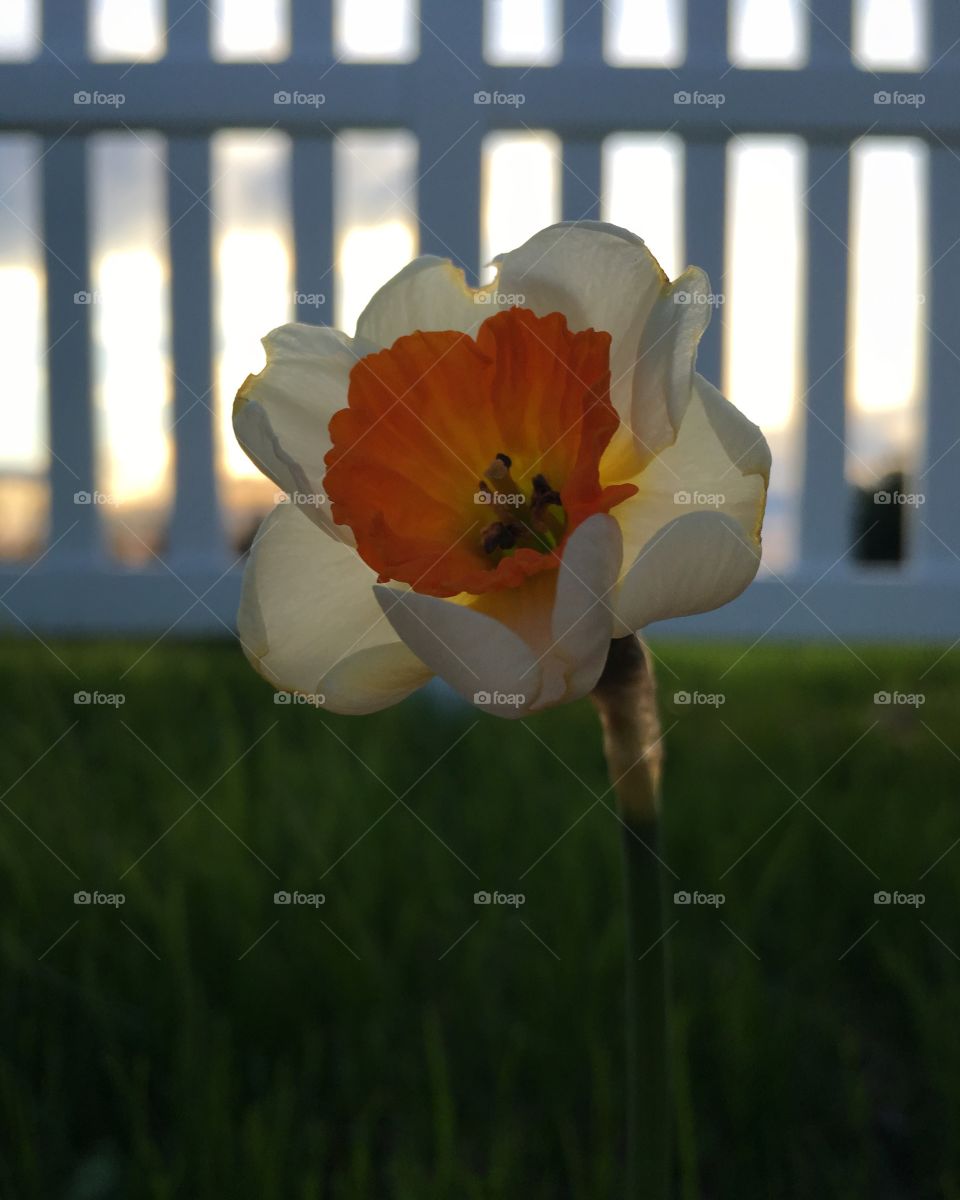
(489,485)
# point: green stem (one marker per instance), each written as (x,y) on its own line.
(626,700)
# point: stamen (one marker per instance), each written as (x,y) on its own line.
(498,474)
(535,521)
(543,493)
(500,536)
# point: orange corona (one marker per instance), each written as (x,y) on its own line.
(462,465)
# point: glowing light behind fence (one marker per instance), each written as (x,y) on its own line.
(768,33)
(643,191)
(375,214)
(253,265)
(893,34)
(129,308)
(250,29)
(124,30)
(510,214)
(376,30)
(888,306)
(650,34)
(522,32)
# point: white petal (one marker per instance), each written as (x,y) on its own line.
(522,649)
(694,564)
(663,380)
(309,621)
(478,656)
(583,611)
(429,293)
(281,416)
(720,462)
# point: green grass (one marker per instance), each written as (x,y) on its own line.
(402,1042)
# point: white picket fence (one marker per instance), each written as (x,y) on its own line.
(188,96)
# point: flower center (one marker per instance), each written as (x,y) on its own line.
(461,464)
(526,520)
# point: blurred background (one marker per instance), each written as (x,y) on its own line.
(178,178)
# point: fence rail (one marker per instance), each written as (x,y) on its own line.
(187,96)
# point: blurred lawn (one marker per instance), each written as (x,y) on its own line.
(402,1042)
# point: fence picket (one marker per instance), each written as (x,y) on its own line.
(313,228)
(825,528)
(451,131)
(196,534)
(704,223)
(70,295)
(937,545)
